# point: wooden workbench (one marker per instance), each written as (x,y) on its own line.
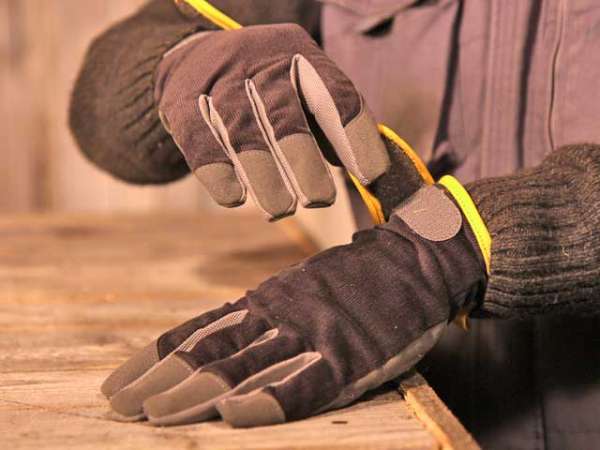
(80,294)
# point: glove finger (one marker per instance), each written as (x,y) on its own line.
(133,368)
(293,389)
(279,114)
(203,153)
(217,340)
(225,342)
(127,403)
(342,116)
(141,362)
(255,165)
(194,399)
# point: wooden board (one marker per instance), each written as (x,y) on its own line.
(80,294)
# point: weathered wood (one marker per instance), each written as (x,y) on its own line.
(436,416)
(65,410)
(168,256)
(80,294)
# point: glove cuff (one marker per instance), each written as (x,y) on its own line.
(544,223)
(442,224)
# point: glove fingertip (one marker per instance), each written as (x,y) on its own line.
(255,409)
(371,158)
(132,369)
(222,184)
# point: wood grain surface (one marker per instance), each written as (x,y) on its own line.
(80,294)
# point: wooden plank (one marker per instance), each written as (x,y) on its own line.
(168,256)
(80,294)
(383,422)
(435,415)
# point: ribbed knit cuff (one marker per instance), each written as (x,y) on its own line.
(113,113)
(545,227)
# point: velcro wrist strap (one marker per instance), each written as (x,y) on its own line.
(432,214)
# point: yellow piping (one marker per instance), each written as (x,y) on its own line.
(482,235)
(370,201)
(216,16)
(470,211)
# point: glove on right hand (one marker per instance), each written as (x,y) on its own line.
(317,335)
(238,104)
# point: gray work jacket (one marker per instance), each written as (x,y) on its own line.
(482,88)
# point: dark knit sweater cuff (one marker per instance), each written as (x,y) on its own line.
(545,227)
(113,114)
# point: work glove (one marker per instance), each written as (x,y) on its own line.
(319,334)
(259,110)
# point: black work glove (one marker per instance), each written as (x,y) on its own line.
(238,105)
(319,334)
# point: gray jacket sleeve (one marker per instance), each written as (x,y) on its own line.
(113,115)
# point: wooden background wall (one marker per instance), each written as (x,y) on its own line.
(42,43)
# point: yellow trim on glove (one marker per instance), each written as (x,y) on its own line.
(466,204)
(213,14)
(371,202)
(484,239)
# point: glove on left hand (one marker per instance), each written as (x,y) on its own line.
(239,104)
(319,334)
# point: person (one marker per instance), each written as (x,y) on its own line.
(501,94)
